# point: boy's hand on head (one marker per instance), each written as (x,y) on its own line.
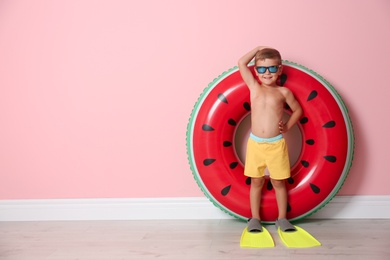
(282,127)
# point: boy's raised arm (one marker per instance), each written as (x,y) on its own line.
(245,72)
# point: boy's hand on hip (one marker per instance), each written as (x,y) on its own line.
(282,127)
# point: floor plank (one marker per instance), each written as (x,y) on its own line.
(185,239)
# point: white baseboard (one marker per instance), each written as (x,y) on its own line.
(341,207)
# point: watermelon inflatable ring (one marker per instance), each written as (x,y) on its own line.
(325,152)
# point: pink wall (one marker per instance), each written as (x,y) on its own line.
(95,96)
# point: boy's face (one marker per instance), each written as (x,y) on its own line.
(268,71)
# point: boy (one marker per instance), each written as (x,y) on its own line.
(266,145)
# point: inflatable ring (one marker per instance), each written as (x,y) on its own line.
(324,160)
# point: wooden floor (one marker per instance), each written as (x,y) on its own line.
(186,239)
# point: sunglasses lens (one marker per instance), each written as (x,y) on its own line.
(261,69)
(273,69)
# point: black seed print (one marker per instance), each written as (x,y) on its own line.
(222,98)
(226,190)
(312,95)
(305,164)
(288,207)
(310,141)
(209,161)
(227,143)
(290,180)
(304,120)
(330,158)
(269,185)
(314,188)
(330,124)
(233,165)
(283,79)
(248,181)
(207,128)
(232,122)
(247,106)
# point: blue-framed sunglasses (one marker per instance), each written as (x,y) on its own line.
(271,69)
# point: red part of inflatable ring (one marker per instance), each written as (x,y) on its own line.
(323,164)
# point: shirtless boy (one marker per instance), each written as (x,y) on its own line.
(266,145)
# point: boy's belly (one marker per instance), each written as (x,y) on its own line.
(265,127)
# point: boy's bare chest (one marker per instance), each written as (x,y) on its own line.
(267,99)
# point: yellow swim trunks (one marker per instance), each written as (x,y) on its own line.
(271,153)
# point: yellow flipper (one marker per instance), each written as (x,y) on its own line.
(256,239)
(298,239)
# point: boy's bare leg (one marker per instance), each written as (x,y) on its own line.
(281,197)
(255,196)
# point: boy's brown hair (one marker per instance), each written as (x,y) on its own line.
(268,53)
